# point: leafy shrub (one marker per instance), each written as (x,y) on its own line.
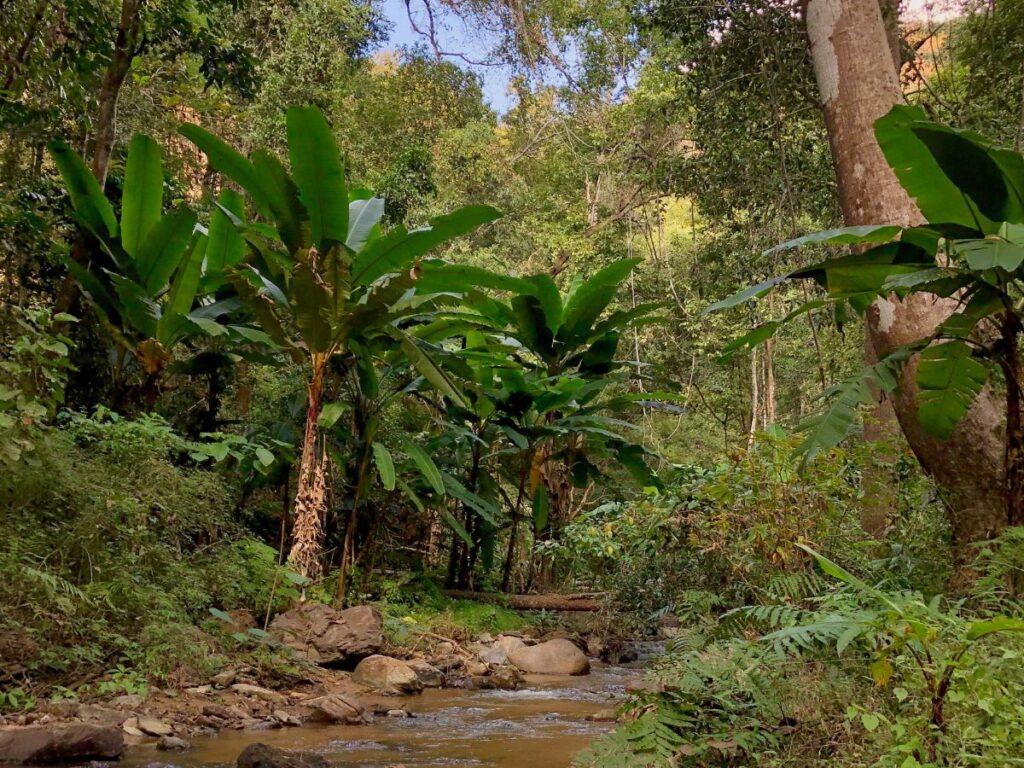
(112,554)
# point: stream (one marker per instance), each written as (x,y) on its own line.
(541,725)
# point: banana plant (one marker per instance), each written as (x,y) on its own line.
(529,399)
(971,249)
(141,273)
(322,278)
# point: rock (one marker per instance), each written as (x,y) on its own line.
(603,716)
(131,727)
(336,708)
(506,678)
(70,744)
(387,675)
(397,713)
(199,690)
(444,648)
(554,657)
(494,656)
(127,701)
(154,727)
(485,638)
(217,710)
(323,635)
(449,664)
(429,675)
(264,694)
(172,744)
(475,668)
(93,713)
(596,647)
(224,678)
(266,756)
(286,718)
(508,643)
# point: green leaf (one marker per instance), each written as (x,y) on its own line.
(541,507)
(385,466)
(753,292)
(858,235)
(949,378)
(591,297)
(482,507)
(225,159)
(431,371)
(225,248)
(282,197)
(439,277)
(330,414)
(183,290)
(161,252)
(91,206)
(143,193)
(979,629)
(426,466)
(363,217)
(938,198)
(632,458)
(312,307)
(550,300)
(317,170)
(990,253)
(410,494)
(455,525)
(398,249)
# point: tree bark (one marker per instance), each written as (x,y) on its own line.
(311,493)
(858,83)
(125,43)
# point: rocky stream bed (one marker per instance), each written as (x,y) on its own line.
(509,701)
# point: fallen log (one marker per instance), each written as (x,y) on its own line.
(545,602)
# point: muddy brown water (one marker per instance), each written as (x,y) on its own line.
(541,725)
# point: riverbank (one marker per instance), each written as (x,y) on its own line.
(328,669)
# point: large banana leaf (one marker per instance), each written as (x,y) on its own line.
(161,252)
(91,206)
(922,176)
(949,378)
(399,248)
(282,197)
(426,466)
(143,193)
(312,307)
(589,300)
(363,218)
(227,160)
(385,466)
(173,322)
(317,170)
(225,247)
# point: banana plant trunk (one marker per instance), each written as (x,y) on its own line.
(311,494)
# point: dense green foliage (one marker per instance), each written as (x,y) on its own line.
(266,334)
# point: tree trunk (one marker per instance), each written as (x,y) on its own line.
(1014,427)
(125,43)
(858,83)
(311,493)
(101,144)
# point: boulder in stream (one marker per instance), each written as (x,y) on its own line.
(554,657)
(265,756)
(387,675)
(70,744)
(324,635)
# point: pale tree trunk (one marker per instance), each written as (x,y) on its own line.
(755,398)
(311,493)
(858,83)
